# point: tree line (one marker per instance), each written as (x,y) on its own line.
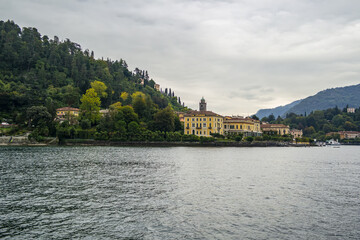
(318,123)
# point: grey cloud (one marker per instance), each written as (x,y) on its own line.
(239,55)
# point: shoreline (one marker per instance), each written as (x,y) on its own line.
(21,141)
(90,142)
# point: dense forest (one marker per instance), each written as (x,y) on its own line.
(39,75)
(318,123)
(37,70)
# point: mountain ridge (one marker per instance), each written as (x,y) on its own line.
(328,98)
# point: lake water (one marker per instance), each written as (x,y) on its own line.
(179,193)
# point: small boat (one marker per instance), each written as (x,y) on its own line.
(333,142)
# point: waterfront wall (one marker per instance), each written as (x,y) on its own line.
(77,142)
(10,140)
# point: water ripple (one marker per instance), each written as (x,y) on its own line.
(179,193)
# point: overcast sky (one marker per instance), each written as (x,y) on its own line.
(240,55)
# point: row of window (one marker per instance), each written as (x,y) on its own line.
(235,127)
(202,119)
(198,132)
(199,125)
(67,112)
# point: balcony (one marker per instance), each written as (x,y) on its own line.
(187,127)
(198,127)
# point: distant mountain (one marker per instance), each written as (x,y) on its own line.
(278,111)
(329,98)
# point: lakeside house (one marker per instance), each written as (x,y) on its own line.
(104,112)
(157,87)
(180,115)
(345,134)
(246,126)
(279,129)
(296,133)
(350,110)
(67,111)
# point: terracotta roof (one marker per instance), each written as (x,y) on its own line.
(67,109)
(348,132)
(205,113)
(240,119)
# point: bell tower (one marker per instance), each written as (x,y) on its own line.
(202,104)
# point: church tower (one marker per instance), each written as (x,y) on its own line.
(202,104)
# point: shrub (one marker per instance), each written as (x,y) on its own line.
(249,139)
(103,135)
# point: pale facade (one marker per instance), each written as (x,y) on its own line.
(345,134)
(157,87)
(279,129)
(350,110)
(180,115)
(296,133)
(247,126)
(69,111)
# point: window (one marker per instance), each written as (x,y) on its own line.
(187,132)
(197,132)
(209,124)
(193,125)
(193,119)
(231,126)
(204,125)
(204,132)
(187,125)
(204,119)
(197,119)
(200,119)
(237,127)
(225,126)
(240,126)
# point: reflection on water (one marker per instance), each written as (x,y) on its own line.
(180,193)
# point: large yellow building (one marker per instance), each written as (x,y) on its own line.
(203,122)
(247,126)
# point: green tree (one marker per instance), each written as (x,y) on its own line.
(100,88)
(90,106)
(128,114)
(38,116)
(139,103)
(164,120)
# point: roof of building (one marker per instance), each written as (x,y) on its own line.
(273,126)
(204,113)
(239,119)
(67,109)
(296,130)
(104,111)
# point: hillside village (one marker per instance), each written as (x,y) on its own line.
(205,123)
